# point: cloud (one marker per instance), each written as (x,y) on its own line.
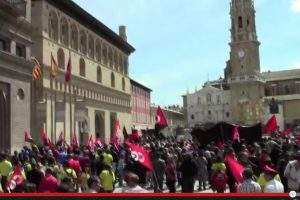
(295,6)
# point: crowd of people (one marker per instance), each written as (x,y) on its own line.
(271,165)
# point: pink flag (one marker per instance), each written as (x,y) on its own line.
(235,134)
(139,154)
(44,138)
(286,132)
(91,143)
(74,141)
(61,138)
(28,137)
(116,136)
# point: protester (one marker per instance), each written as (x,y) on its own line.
(202,170)
(171,174)
(292,173)
(132,186)
(189,171)
(49,183)
(107,179)
(272,185)
(249,185)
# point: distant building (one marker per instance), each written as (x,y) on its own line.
(208,105)
(15,72)
(175,117)
(140,102)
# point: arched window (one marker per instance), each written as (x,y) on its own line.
(74,37)
(82,67)
(99,74)
(83,42)
(121,64)
(112,80)
(91,47)
(98,51)
(116,61)
(110,57)
(53,26)
(126,65)
(104,54)
(123,84)
(240,21)
(208,98)
(64,27)
(61,58)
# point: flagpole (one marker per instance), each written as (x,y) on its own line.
(55,103)
(51,99)
(70,90)
(65,85)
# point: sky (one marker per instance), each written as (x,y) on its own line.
(180,44)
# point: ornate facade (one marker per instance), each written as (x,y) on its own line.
(99,91)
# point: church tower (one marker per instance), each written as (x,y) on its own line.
(243,69)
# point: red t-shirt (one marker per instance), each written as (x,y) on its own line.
(74,164)
(48,184)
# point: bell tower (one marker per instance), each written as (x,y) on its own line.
(243,69)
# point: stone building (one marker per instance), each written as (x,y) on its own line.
(175,117)
(99,91)
(15,76)
(251,93)
(140,102)
(208,105)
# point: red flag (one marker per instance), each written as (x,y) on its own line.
(271,125)
(161,120)
(16,178)
(235,134)
(74,141)
(134,136)
(235,168)
(286,132)
(68,71)
(220,144)
(28,137)
(91,143)
(139,154)
(115,138)
(61,138)
(98,142)
(44,138)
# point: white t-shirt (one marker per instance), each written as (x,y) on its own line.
(136,189)
(274,186)
(293,175)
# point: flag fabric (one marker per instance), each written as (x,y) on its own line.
(36,70)
(161,120)
(271,125)
(68,71)
(91,143)
(134,136)
(139,154)
(54,67)
(235,134)
(125,134)
(28,137)
(16,178)
(286,132)
(115,138)
(44,138)
(235,168)
(98,142)
(220,144)
(74,141)
(61,138)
